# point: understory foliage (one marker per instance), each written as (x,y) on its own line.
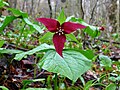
(29,58)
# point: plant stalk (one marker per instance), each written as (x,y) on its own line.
(55,82)
(22,30)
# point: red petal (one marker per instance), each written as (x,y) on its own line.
(101,28)
(71,27)
(59,41)
(51,24)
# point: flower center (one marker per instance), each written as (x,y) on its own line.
(60,31)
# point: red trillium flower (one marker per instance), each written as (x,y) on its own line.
(59,37)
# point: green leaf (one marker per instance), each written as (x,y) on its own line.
(105,60)
(71,37)
(34,26)
(3,3)
(47,36)
(69,18)
(82,80)
(112,78)
(115,35)
(93,31)
(7,21)
(1,43)
(111,86)
(26,82)
(18,13)
(73,65)
(38,89)
(88,85)
(118,78)
(30,52)
(88,53)
(61,18)
(4,88)
(9,51)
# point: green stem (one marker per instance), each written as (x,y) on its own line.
(55,82)
(35,68)
(18,41)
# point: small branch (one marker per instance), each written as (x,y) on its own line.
(106,2)
(40,73)
(92,14)
(50,7)
(82,11)
(23,6)
(56,5)
(115,58)
(15,3)
(38,3)
(22,30)
(32,4)
(14,46)
(108,41)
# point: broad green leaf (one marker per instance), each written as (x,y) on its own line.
(61,18)
(69,18)
(47,36)
(26,82)
(88,53)
(105,60)
(2,19)
(7,21)
(112,78)
(24,16)
(115,35)
(71,37)
(30,52)
(1,43)
(36,27)
(3,3)
(4,88)
(88,85)
(93,31)
(38,89)
(118,78)
(18,13)
(9,51)
(82,80)
(72,66)
(111,86)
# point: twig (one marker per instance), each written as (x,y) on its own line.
(115,58)
(32,4)
(108,41)
(40,73)
(92,14)
(56,5)
(14,46)
(82,9)
(23,5)
(50,7)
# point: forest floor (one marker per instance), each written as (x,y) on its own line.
(12,75)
